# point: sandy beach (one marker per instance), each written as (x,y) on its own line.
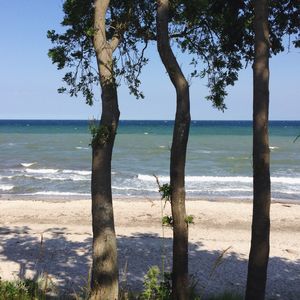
(54,238)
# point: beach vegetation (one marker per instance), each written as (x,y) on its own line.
(154,287)
(167,221)
(165,191)
(26,289)
(189,219)
(14,290)
(100,134)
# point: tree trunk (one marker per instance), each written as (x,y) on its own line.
(259,252)
(104,277)
(180,280)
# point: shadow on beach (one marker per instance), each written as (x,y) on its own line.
(67,261)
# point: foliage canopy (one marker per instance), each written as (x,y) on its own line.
(218,35)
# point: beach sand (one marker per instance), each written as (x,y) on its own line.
(54,238)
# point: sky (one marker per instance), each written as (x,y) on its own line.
(29,81)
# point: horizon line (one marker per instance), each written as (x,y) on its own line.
(68,119)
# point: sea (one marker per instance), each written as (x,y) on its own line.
(52,159)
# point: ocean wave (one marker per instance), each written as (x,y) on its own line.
(288,192)
(243,179)
(27,165)
(128,188)
(59,174)
(82,148)
(41,171)
(233,189)
(60,178)
(7,177)
(5,187)
(55,193)
(78,172)
(286,180)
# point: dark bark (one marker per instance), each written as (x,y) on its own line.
(180,280)
(259,252)
(104,277)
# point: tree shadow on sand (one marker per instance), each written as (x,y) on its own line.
(67,259)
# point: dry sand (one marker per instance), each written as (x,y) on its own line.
(54,237)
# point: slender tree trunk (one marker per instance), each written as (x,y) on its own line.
(259,252)
(104,277)
(178,155)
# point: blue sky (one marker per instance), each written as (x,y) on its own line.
(29,82)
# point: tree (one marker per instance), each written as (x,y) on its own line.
(104,277)
(178,154)
(271,22)
(95,31)
(259,252)
(195,26)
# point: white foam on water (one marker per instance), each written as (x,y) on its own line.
(7,177)
(128,188)
(55,193)
(41,171)
(286,180)
(78,172)
(243,179)
(82,148)
(152,178)
(27,165)
(288,192)
(61,177)
(204,151)
(233,190)
(6,187)
(56,174)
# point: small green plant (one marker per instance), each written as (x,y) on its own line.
(189,219)
(165,191)
(100,134)
(26,289)
(167,221)
(154,288)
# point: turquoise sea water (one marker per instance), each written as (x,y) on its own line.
(53,159)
